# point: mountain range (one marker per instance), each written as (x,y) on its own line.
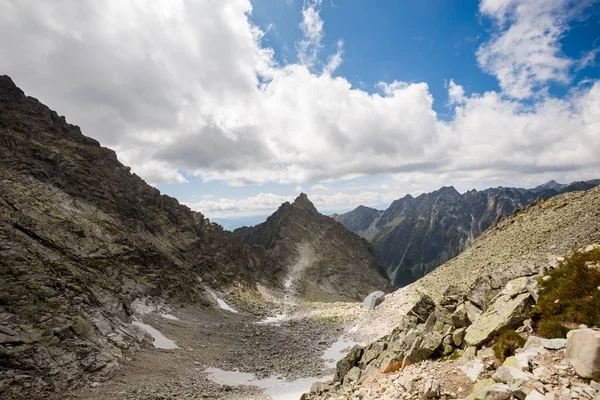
(415,235)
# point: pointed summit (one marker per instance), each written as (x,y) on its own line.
(302,201)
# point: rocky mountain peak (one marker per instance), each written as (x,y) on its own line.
(8,87)
(302,201)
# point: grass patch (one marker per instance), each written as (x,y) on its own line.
(454,356)
(570,295)
(80,326)
(508,341)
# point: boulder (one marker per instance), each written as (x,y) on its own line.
(583,352)
(460,317)
(432,389)
(498,391)
(352,376)
(535,395)
(516,287)
(473,312)
(520,382)
(505,312)
(458,336)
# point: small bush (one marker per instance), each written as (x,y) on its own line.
(80,326)
(507,343)
(570,297)
(552,328)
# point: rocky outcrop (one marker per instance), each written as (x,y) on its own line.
(323,260)
(81,238)
(416,235)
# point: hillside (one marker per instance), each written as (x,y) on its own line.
(81,238)
(443,327)
(416,235)
(325,261)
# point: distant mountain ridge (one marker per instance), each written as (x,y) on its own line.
(415,235)
(324,259)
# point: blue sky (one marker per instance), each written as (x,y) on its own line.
(234,106)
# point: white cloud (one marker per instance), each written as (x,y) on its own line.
(525,53)
(456,93)
(267,203)
(182,87)
(312,31)
(334,60)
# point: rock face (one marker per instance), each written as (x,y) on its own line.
(583,352)
(416,235)
(80,239)
(324,260)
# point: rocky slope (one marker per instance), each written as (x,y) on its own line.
(324,260)
(459,309)
(416,235)
(463,325)
(80,239)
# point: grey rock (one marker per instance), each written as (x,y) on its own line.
(583,352)
(432,389)
(504,313)
(554,344)
(520,382)
(458,336)
(460,317)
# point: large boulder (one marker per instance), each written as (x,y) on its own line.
(505,312)
(583,352)
(520,382)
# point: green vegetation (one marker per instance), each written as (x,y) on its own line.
(508,341)
(454,356)
(570,295)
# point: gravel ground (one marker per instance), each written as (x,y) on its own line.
(220,339)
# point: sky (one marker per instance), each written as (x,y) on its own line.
(235,106)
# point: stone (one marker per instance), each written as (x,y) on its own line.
(498,391)
(504,313)
(432,389)
(473,369)
(473,312)
(520,382)
(554,344)
(519,361)
(542,373)
(516,287)
(352,376)
(583,352)
(535,395)
(458,336)
(460,317)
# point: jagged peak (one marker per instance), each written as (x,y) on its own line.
(302,201)
(7,86)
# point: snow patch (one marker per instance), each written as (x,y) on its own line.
(274,319)
(160,340)
(337,351)
(276,387)
(221,303)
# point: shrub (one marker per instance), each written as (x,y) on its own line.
(570,296)
(508,341)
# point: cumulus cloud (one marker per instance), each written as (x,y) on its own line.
(184,88)
(525,53)
(267,203)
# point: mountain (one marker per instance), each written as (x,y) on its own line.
(416,235)
(81,238)
(324,260)
(553,185)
